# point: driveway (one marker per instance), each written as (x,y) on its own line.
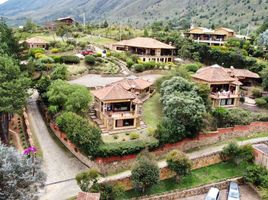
(246,194)
(96,80)
(59,164)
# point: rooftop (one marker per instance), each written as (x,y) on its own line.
(261,147)
(145,42)
(241,73)
(210,31)
(214,73)
(134,82)
(88,196)
(64,18)
(36,40)
(113,92)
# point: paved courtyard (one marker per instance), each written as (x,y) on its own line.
(246,194)
(95,80)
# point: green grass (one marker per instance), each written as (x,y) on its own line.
(152,111)
(202,176)
(96,40)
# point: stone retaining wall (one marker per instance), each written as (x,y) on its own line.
(28,129)
(192,192)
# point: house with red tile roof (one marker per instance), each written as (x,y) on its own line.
(148,49)
(36,42)
(224,83)
(118,106)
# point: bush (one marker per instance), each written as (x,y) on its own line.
(108,54)
(261,102)
(138,67)
(46,59)
(80,131)
(256,92)
(193,67)
(125,148)
(134,136)
(90,60)
(55,50)
(130,62)
(57,59)
(59,72)
(98,55)
(256,174)
(70,59)
(34,51)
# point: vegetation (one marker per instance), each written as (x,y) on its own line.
(81,132)
(145,172)
(87,179)
(198,177)
(63,96)
(258,175)
(90,60)
(21,176)
(179,163)
(70,59)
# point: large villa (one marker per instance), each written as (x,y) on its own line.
(148,49)
(224,83)
(118,106)
(212,37)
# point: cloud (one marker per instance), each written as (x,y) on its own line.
(3,1)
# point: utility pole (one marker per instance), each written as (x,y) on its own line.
(84,19)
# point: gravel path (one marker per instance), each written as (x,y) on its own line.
(59,163)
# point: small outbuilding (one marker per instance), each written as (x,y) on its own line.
(261,154)
(37,42)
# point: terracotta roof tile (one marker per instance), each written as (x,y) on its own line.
(145,43)
(241,73)
(137,83)
(88,196)
(36,40)
(113,92)
(214,73)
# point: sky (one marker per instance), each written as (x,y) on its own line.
(2,1)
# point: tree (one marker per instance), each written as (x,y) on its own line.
(29,26)
(145,33)
(59,72)
(179,163)
(87,179)
(8,43)
(81,132)
(264,75)
(105,24)
(145,172)
(20,176)
(13,92)
(64,96)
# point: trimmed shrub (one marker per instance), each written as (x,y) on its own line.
(57,59)
(46,59)
(261,102)
(134,136)
(34,51)
(39,55)
(138,67)
(256,92)
(130,62)
(90,60)
(55,50)
(193,67)
(70,59)
(125,148)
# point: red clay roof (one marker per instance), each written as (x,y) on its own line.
(113,92)
(137,83)
(214,73)
(36,40)
(241,73)
(144,42)
(88,196)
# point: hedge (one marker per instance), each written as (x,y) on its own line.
(126,147)
(34,51)
(70,59)
(91,60)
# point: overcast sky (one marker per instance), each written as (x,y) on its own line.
(2,1)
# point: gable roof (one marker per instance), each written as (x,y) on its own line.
(202,30)
(214,73)
(88,196)
(241,73)
(36,40)
(144,42)
(113,92)
(135,83)
(226,29)
(64,18)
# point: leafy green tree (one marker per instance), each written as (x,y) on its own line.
(108,191)
(145,172)
(8,43)
(29,26)
(145,33)
(179,163)
(64,96)
(264,75)
(59,72)
(87,179)
(81,132)
(21,176)
(13,92)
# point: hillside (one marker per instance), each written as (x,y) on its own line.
(235,14)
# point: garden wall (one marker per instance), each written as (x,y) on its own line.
(118,163)
(177,194)
(166,173)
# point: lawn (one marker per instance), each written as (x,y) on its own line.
(202,176)
(96,40)
(152,111)
(121,137)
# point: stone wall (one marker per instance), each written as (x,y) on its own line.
(120,163)
(176,194)
(166,173)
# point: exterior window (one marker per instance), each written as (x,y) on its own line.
(227,102)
